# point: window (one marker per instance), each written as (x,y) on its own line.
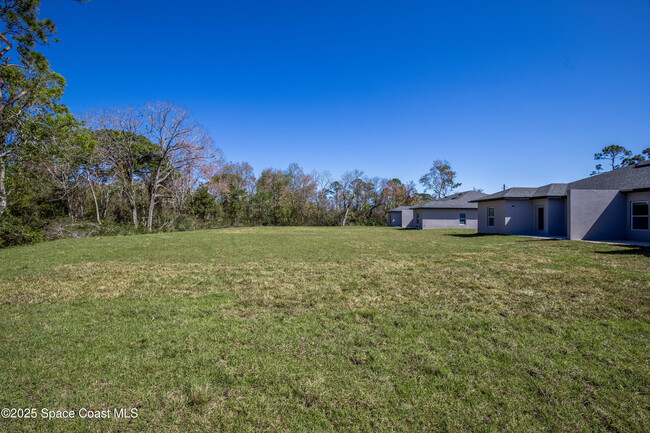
(640,215)
(461,219)
(417,218)
(540,218)
(491,217)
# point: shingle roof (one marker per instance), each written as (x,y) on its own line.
(632,177)
(460,200)
(510,193)
(400,208)
(551,190)
(628,178)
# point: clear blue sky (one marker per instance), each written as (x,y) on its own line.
(521,93)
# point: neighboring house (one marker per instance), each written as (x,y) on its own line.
(452,212)
(400,217)
(609,206)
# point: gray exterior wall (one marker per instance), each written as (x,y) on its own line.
(519,217)
(596,214)
(394,219)
(499,216)
(585,214)
(447,218)
(401,219)
(636,235)
(407,218)
(557,221)
(554,217)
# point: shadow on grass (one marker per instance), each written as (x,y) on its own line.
(522,238)
(630,251)
(472,235)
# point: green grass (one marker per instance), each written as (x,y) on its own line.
(327,329)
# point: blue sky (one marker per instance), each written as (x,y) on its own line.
(521,92)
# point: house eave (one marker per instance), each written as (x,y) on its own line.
(635,190)
(445,208)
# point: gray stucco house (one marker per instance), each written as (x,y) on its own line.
(452,212)
(608,206)
(400,217)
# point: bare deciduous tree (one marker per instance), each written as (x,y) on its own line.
(179,142)
(119,132)
(346,190)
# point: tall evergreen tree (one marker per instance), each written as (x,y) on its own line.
(27,83)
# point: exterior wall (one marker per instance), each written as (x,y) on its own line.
(636,235)
(556,217)
(448,218)
(543,203)
(596,215)
(394,219)
(417,219)
(407,218)
(401,219)
(499,216)
(520,218)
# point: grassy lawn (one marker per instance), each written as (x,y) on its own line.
(327,329)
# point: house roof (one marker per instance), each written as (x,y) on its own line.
(459,200)
(400,208)
(510,193)
(516,193)
(636,176)
(631,178)
(551,190)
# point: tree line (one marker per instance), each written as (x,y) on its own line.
(151,168)
(141,169)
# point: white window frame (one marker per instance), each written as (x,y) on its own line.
(462,218)
(492,217)
(637,216)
